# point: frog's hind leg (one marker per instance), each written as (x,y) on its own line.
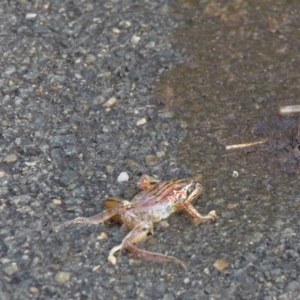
(138,234)
(110,202)
(99,218)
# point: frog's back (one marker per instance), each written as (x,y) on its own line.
(155,194)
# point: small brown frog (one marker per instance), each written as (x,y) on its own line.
(156,201)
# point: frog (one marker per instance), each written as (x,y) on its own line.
(156,201)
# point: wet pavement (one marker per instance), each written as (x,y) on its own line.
(92,89)
(242,65)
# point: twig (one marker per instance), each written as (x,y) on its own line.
(289,109)
(239,146)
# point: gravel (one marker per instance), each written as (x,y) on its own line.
(78,109)
(75,113)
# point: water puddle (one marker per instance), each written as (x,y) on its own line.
(242,63)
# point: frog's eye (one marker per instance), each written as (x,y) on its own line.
(191,189)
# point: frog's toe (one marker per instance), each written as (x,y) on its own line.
(212,215)
(111,257)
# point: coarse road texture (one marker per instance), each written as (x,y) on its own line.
(90,89)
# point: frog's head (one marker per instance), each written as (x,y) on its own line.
(185,190)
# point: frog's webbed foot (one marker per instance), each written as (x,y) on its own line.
(99,218)
(138,234)
(211,216)
(146,182)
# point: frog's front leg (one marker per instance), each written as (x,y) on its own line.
(138,234)
(99,218)
(198,218)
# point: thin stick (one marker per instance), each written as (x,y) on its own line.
(239,146)
(289,109)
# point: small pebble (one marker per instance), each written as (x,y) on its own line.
(10,158)
(116,30)
(62,276)
(123,177)
(206,271)
(135,40)
(102,236)
(56,201)
(11,269)
(125,24)
(110,102)
(3,174)
(220,264)
(30,16)
(141,122)
(33,289)
(235,174)
(187,280)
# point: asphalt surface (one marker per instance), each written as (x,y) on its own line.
(79,105)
